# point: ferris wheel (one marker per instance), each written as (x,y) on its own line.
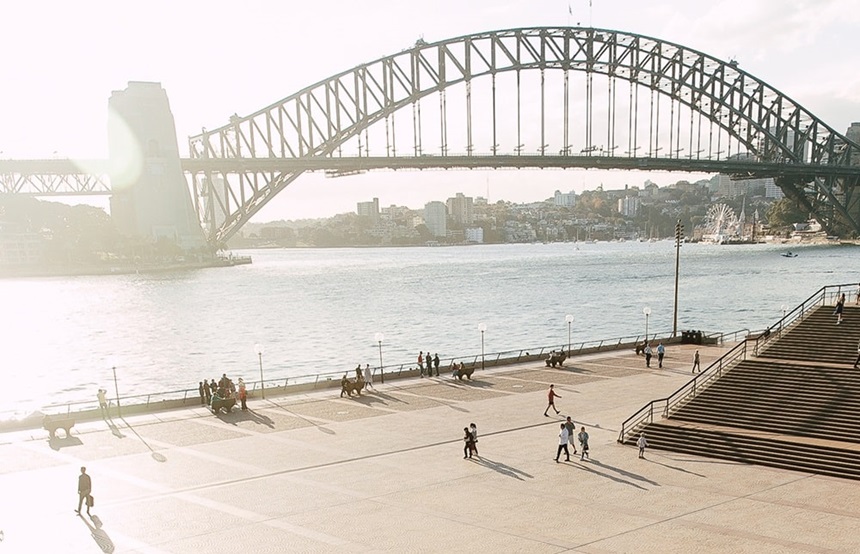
(721,220)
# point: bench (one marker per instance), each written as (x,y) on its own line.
(556,358)
(51,424)
(464,372)
(217,404)
(347,386)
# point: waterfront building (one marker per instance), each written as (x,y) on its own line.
(565,199)
(475,235)
(369,209)
(436,218)
(629,206)
(460,209)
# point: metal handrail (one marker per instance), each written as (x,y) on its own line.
(686,392)
(756,344)
(818,298)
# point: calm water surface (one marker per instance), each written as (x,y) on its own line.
(317,310)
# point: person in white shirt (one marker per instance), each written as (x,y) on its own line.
(563,437)
(642,443)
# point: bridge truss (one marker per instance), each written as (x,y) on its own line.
(534,97)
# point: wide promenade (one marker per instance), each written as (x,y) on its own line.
(317,473)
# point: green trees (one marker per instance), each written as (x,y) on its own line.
(785,212)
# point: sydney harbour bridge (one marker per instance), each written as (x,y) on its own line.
(521,98)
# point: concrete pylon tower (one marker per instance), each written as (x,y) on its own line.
(150,196)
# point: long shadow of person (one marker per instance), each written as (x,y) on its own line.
(99,535)
(504,469)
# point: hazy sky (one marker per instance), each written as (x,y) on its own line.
(62,60)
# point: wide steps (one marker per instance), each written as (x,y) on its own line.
(782,398)
(782,452)
(817,338)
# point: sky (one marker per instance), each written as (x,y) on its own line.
(216,58)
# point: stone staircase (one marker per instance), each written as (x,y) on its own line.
(795,406)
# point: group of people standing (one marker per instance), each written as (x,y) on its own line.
(568,436)
(224,388)
(428,363)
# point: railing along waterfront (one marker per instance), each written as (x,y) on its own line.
(189,397)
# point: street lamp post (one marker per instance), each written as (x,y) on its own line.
(647,311)
(379,338)
(679,233)
(258,348)
(482,327)
(569,319)
(116,388)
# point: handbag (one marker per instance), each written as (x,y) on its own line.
(90,501)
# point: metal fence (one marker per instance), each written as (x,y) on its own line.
(190,397)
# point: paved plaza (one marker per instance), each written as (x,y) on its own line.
(385,472)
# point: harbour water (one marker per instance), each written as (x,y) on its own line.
(318,310)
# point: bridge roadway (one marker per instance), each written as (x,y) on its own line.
(32,176)
(317,473)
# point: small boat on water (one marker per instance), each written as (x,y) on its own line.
(788,254)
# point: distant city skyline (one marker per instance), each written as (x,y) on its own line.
(215,60)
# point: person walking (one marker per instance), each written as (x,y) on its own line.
(421,362)
(857,361)
(840,305)
(551,396)
(469,443)
(647,355)
(368,377)
(642,444)
(473,429)
(661,351)
(202,390)
(85,487)
(571,433)
(563,438)
(583,443)
(243,394)
(436,363)
(696,366)
(102,402)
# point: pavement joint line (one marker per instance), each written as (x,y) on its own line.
(266,475)
(697,510)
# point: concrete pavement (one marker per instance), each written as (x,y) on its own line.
(385,472)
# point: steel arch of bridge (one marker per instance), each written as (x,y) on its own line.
(239,167)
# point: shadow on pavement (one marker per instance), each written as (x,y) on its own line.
(651,460)
(625,473)
(235,416)
(586,467)
(99,535)
(157,456)
(57,443)
(504,469)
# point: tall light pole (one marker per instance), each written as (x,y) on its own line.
(569,319)
(116,388)
(482,327)
(647,311)
(258,348)
(379,338)
(679,233)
